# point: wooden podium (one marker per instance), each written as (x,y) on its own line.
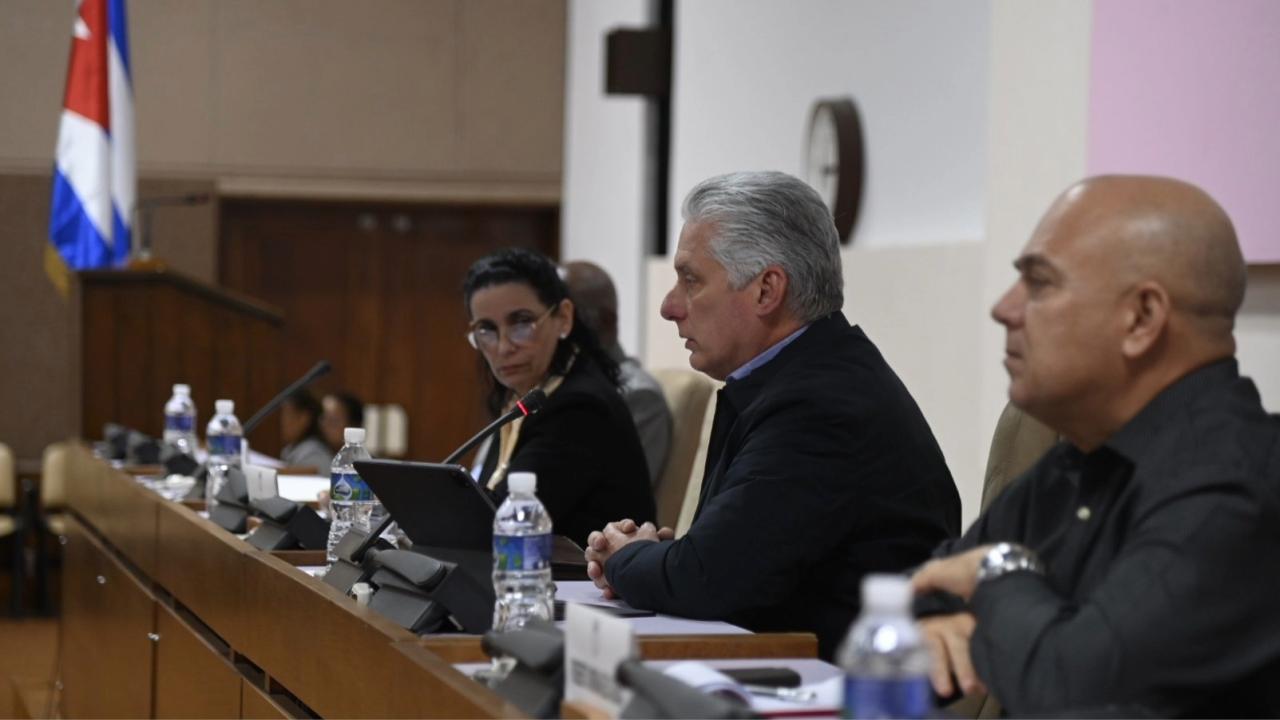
(141,331)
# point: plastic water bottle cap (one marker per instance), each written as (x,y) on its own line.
(353,435)
(522,482)
(363,592)
(181,389)
(225,407)
(886,592)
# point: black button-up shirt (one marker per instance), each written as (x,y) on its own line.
(1162,549)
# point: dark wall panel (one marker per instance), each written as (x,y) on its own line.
(376,290)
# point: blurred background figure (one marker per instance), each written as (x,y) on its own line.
(304,445)
(597,301)
(341,410)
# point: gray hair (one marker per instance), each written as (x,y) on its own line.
(771,218)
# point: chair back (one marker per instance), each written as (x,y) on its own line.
(8,479)
(687,393)
(1018,442)
(53,476)
(694,489)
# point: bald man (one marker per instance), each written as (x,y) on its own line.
(1135,569)
(597,302)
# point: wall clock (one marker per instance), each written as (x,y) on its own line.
(834,161)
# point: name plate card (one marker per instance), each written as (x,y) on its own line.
(595,644)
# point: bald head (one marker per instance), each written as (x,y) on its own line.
(596,299)
(1146,228)
(1127,284)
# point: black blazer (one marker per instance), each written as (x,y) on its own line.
(821,469)
(584,447)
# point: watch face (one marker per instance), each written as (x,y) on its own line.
(822,159)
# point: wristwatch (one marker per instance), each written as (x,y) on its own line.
(1005,558)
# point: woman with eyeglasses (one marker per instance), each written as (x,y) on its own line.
(583,443)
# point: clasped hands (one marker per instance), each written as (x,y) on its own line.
(947,636)
(602,544)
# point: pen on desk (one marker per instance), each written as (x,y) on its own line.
(800,695)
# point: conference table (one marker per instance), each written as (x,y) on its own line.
(165,614)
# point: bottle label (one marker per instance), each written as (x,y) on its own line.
(887,697)
(181,423)
(522,552)
(349,487)
(224,445)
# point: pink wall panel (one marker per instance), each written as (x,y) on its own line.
(1191,89)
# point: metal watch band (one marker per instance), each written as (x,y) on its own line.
(1005,558)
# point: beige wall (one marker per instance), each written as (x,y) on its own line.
(419,91)
(379,99)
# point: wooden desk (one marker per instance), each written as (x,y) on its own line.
(167,615)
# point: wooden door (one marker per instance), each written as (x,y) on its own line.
(376,290)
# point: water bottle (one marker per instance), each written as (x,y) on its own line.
(351,502)
(180,420)
(223,436)
(521,557)
(884,658)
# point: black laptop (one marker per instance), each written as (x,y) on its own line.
(441,506)
(435,505)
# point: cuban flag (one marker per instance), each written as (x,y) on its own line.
(94,177)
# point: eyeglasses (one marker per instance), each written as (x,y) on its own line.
(484,336)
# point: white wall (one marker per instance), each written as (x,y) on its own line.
(748,72)
(602,217)
(976,118)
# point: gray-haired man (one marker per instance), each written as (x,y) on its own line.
(820,467)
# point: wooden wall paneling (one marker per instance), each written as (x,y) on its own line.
(363,341)
(165,349)
(98,360)
(135,406)
(196,353)
(231,361)
(447,395)
(399,378)
(376,289)
(194,678)
(265,380)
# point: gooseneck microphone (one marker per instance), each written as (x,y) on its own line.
(525,406)
(320,368)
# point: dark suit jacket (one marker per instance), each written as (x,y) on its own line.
(584,447)
(821,469)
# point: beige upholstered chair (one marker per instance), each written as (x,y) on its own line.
(1018,442)
(687,393)
(12,526)
(50,520)
(694,489)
